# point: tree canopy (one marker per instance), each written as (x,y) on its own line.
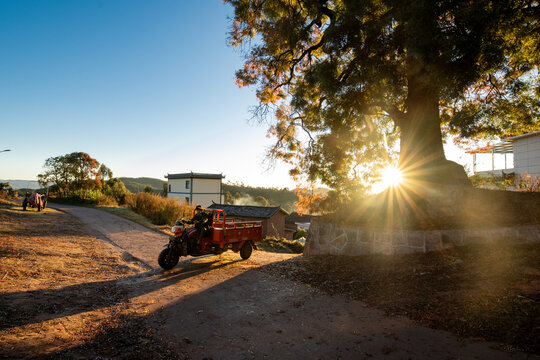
(340,81)
(70,172)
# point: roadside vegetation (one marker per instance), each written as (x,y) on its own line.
(281,245)
(525,183)
(77,178)
(159,210)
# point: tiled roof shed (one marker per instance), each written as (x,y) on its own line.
(261,212)
(272,217)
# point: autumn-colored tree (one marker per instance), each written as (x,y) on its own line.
(344,79)
(71,172)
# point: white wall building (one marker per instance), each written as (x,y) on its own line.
(195,188)
(525,151)
(526,154)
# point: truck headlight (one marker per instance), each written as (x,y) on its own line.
(174,228)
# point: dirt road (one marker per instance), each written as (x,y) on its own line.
(219,307)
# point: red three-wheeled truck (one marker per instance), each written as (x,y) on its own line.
(220,235)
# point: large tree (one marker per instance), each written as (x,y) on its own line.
(343,79)
(70,172)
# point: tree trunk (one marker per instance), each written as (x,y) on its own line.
(422,159)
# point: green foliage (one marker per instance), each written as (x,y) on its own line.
(136,185)
(78,178)
(116,189)
(300,233)
(164,190)
(105,172)
(492,181)
(6,190)
(336,79)
(266,196)
(148,189)
(159,210)
(71,173)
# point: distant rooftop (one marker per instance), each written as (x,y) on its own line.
(262,212)
(194,175)
(505,146)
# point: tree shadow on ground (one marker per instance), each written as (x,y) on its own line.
(253,315)
(48,304)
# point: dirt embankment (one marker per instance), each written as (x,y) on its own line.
(487,292)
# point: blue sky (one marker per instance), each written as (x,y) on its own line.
(145,87)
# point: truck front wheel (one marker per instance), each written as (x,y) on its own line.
(245,251)
(168,258)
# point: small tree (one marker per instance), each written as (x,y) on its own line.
(164,190)
(148,189)
(105,172)
(116,188)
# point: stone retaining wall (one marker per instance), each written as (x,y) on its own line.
(329,239)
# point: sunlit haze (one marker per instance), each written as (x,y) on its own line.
(390,176)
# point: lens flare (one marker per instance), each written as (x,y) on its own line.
(391,177)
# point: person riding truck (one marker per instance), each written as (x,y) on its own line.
(201,222)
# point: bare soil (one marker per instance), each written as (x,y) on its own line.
(62,291)
(487,292)
(72,289)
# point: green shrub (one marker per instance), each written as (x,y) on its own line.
(159,210)
(274,244)
(300,233)
(116,189)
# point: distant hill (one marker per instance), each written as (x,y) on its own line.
(136,185)
(23,184)
(247,195)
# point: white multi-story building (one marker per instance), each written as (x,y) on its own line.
(525,156)
(195,188)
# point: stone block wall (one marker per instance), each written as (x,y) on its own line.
(329,239)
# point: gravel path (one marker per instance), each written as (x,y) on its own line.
(138,241)
(218,307)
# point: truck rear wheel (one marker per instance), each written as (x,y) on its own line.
(245,251)
(168,258)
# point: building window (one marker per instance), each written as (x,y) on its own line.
(187,184)
(187,200)
(169,187)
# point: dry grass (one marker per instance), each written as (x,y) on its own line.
(159,210)
(272,244)
(57,283)
(131,215)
